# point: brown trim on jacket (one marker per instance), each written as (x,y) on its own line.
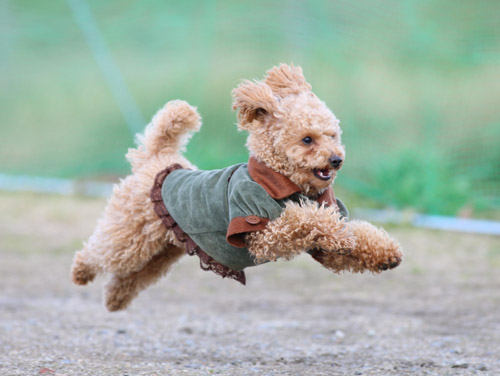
(206,261)
(240,226)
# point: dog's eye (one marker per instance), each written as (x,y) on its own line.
(307,140)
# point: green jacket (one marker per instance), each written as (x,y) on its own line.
(217,208)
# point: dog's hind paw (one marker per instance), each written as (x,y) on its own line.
(81,272)
(119,293)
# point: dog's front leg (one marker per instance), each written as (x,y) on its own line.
(375,250)
(301,228)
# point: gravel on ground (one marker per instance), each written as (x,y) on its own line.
(436,314)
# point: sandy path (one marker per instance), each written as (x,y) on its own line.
(437,314)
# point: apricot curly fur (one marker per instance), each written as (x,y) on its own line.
(374,251)
(130,234)
(131,243)
(301,227)
(121,290)
(275,135)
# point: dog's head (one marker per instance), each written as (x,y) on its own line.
(290,129)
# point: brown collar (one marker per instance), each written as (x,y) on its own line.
(327,197)
(279,186)
(276,185)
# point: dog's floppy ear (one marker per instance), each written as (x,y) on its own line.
(254,100)
(287,79)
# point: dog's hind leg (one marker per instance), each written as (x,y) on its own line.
(87,262)
(83,269)
(121,290)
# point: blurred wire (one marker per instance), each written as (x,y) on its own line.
(436,222)
(68,187)
(129,109)
(59,186)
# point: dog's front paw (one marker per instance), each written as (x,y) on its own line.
(390,263)
(388,255)
(375,249)
(378,251)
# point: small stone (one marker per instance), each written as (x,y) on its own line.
(358,373)
(187,330)
(371,333)
(427,363)
(482,368)
(460,365)
(339,334)
(44,371)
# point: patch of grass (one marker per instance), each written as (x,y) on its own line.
(422,181)
(408,85)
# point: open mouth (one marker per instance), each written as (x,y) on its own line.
(323,174)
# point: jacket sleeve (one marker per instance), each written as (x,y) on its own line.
(250,209)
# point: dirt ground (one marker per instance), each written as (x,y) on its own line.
(437,314)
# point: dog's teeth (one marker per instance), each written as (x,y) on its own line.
(324,173)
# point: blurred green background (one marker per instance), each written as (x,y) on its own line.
(416,85)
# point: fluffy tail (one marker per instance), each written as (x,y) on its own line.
(168,132)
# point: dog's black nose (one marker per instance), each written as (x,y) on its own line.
(335,161)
